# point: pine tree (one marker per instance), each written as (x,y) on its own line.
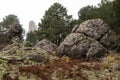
(116,6)
(31,37)
(55,24)
(5,25)
(8,20)
(88,12)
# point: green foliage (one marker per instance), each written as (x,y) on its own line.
(31,37)
(116,6)
(5,26)
(107,10)
(4,40)
(88,12)
(55,24)
(8,20)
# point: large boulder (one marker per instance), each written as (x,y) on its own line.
(98,30)
(91,39)
(46,45)
(77,45)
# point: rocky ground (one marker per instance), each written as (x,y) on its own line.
(18,62)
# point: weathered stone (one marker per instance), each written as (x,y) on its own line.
(46,45)
(16,39)
(98,30)
(91,39)
(109,40)
(77,45)
(17,53)
(92,28)
(15,30)
(37,58)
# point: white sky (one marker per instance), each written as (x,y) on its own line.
(27,10)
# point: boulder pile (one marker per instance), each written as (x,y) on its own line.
(17,52)
(91,39)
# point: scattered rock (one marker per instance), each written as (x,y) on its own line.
(16,39)
(16,53)
(37,58)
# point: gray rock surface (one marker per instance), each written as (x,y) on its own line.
(46,45)
(91,39)
(77,45)
(98,30)
(93,28)
(17,53)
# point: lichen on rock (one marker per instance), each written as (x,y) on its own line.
(91,39)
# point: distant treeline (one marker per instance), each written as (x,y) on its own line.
(56,24)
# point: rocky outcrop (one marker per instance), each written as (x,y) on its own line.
(15,30)
(17,53)
(78,45)
(90,39)
(46,45)
(98,30)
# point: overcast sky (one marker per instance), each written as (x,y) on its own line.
(27,10)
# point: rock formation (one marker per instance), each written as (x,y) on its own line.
(17,53)
(15,30)
(97,30)
(46,45)
(91,39)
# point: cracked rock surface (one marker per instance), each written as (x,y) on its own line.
(91,39)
